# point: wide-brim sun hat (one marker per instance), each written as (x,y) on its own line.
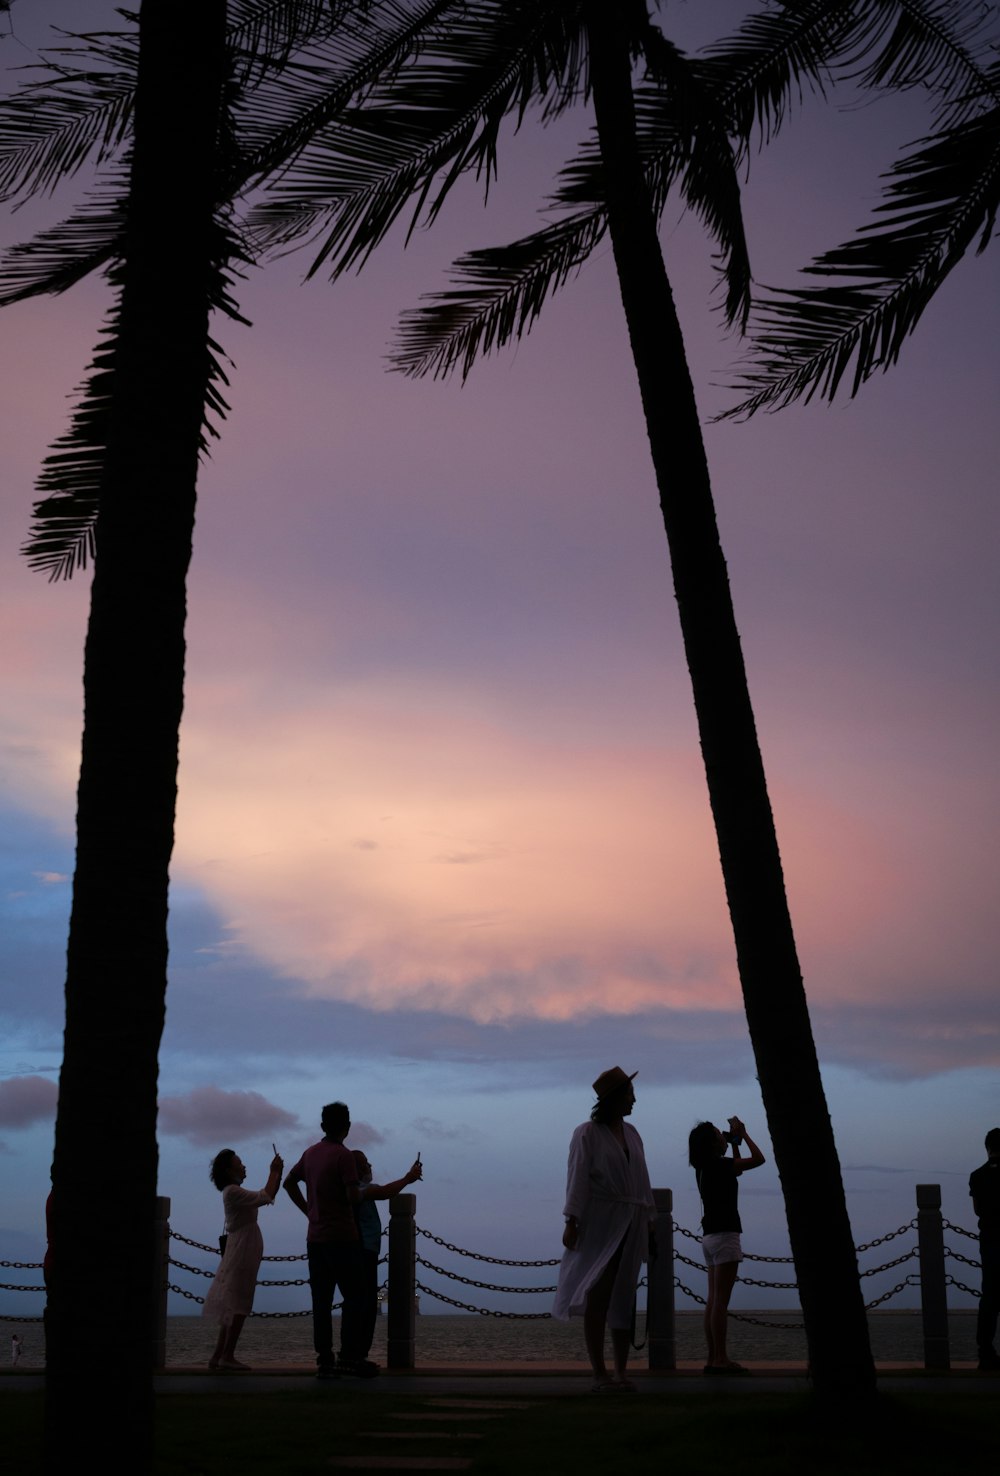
(612,1081)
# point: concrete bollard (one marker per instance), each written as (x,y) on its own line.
(160,1277)
(660,1291)
(401,1323)
(933,1298)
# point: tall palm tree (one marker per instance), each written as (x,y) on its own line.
(686,124)
(136,437)
(119,490)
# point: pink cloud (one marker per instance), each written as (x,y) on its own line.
(208,1116)
(25,1100)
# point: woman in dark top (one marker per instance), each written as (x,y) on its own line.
(717,1184)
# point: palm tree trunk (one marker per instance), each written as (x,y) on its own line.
(777,1013)
(105,1165)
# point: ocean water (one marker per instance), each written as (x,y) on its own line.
(281,1342)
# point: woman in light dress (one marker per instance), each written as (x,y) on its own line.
(609,1227)
(230,1297)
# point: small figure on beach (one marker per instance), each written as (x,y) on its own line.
(333,1244)
(609,1228)
(718,1185)
(230,1297)
(369,1224)
(15,1348)
(984,1186)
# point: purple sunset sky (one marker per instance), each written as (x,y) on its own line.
(444,847)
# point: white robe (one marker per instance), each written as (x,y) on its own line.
(610,1196)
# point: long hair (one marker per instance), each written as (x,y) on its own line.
(221,1165)
(703,1145)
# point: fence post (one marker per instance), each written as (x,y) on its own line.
(401,1330)
(161,1275)
(933,1298)
(660,1289)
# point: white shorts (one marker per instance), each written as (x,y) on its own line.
(722,1249)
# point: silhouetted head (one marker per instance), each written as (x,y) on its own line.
(335,1120)
(705,1143)
(364,1168)
(993,1142)
(223,1165)
(615,1095)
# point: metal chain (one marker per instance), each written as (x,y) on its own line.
(482,1285)
(953,1281)
(22,1266)
(213,1250)
(790,1260)
(195,1270)
(947,1224)
(8,1286)
(8,1318)
(483,1311)
(890,1265)
(193,1297)
(966,1260)
(475,1256)
(911,1280)
(884,1239)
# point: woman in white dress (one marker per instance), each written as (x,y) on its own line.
(609,1227)
(230,1297)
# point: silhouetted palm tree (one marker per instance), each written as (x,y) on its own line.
(136,440)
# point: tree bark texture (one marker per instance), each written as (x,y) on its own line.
(105,1164)
(776,1008)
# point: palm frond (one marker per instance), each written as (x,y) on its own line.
(774,56)
(62,537)
(65,254)
(505,288)
(50,129)
(436,118)
(943,198)
(684,143)
(282,113)
(934,45)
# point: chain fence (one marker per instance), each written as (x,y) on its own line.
(912,1279)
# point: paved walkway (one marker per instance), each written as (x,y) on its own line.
(535,1380)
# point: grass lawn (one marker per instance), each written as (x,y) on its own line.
(728,1433)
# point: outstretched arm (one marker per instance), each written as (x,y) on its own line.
(386,1191)
(755,1158)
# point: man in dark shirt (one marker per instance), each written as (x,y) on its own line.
(984,1186)
(333,1242)
(333,1245)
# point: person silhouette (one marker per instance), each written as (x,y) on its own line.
(984,1186)
(608,1233)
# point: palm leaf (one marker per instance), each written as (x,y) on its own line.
(435,119)
(943,198)
(50,129)
(759,72)
(277,118)
(503,293)
(61,540)
(65,254)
